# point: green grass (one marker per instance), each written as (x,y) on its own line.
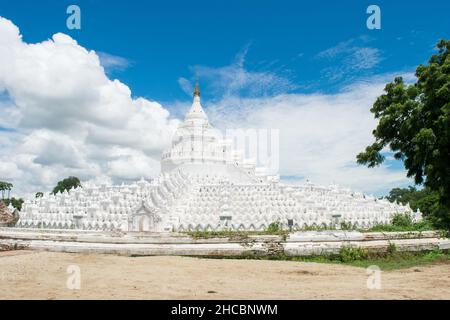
(11,247)
(403,260)
(357,257)
(389,262)
(273,229)
(233,234)
(400,222)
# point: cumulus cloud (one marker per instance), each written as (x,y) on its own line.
(65,116)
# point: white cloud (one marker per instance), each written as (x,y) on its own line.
(9,171)
(186,85)
(112,63)
(68,118)
(349,57)
(234,79)
(320,134)
(131,164)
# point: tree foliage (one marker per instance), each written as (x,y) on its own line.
(416,198)
(5,187)
(426,200)
(414,122)
(15,202)
(67,184)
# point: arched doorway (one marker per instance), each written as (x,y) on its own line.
(144,224)
(144,219)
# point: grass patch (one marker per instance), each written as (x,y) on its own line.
(403,260)
(357,257)
(11,247)
(400,222)
(234,234)
(383,261)
(274,229)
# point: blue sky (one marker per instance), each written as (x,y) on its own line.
(315,62)
(164,40)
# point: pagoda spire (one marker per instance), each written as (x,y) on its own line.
(196,110)
(196,90)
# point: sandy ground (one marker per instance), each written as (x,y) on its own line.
(43,275)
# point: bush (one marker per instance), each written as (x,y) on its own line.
(347,226)
(16,203)
(348,254)
(428,201)
(392,248)
(402,220)
(274,227)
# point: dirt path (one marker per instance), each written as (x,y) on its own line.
(43,275)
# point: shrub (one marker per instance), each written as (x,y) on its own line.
(346,225)
(402,220)
(391,249)
(348,254)
(274,227)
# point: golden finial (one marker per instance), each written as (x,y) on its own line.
(196,90)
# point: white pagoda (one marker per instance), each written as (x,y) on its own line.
(205,185)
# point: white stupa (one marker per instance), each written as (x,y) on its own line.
(205,185)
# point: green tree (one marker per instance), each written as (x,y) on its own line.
(425,199)
(67,184)
(39,194)
(15,202)
(414,122)
(5,187)
(401,195)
